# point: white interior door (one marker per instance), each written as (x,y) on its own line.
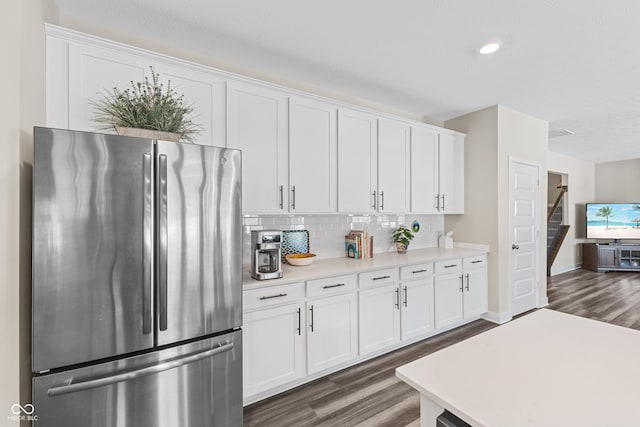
(523,233)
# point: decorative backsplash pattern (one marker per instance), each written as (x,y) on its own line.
(326,232)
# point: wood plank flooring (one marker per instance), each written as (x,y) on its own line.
(369,394)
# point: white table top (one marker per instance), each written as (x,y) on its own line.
(337,266)
(544,369)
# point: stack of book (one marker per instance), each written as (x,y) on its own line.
(358,244)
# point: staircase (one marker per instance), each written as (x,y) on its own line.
(556,230)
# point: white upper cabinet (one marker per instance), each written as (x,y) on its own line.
(437,171)
(301,154)
(257,121)
(312,156)
(424,170)
(451,173)
(393,166)
(94,72)
(357,161)
(206,94)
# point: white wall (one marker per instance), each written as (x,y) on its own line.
(479,224)
(618,182)
(581,185)
(22,79)
(493,135)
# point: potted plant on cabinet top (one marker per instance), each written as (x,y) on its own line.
(402,236)
(146,110)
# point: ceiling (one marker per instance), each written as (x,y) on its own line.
(574,63)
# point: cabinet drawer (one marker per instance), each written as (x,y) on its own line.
(274,295)
(330,285)
(448,266)
(418,271)
(378,277)
(472,262)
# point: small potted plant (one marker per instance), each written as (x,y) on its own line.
(146,109)
(402,236)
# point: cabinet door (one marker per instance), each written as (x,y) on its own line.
(206,94)
(424,170)
(92,72)
(332,330)
(257,124)
(607,257)
(417,308)
(357,161)
(393,166)
(312,156)
(475,293)
(451,174)
(379,318)
(448,299)
(274,350)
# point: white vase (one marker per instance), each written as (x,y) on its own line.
(401,248)
(148,133)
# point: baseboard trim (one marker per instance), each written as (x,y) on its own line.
(498,318)
(543,302)
(566,269)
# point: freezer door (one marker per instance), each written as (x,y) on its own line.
(199,233)
(92,247)
(193,385)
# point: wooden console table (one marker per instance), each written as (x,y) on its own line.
(610,257)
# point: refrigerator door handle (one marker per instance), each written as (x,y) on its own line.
(147,223)
(163,240)
(131,375)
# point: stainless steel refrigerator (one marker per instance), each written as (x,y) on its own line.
(137,254)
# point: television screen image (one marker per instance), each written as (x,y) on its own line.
(613,221)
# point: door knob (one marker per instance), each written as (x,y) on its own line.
(514,246)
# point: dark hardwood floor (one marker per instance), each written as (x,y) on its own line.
(369,394)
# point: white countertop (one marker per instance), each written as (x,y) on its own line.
(544,369)
(338,266)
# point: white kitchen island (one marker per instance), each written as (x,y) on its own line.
(544,369)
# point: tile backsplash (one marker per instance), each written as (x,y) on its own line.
(326,232)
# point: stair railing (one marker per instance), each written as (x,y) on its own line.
(563,189)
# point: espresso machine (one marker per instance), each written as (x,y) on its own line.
(266,252)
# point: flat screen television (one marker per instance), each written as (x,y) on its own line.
(613,221)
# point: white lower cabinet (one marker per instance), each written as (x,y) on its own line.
(417,300)
(379,316)
(298,331)
(273,347)
(460,294)
(331,331)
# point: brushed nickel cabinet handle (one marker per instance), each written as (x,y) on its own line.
(405,296)
(293,197)
(337,285)
(398,298)
(419,271)
(273,296)
(450,265)
(281,197)
(299,321)
(467,276)
(381,277)
(382,201)
(375,200)
(311,310)
(461,283)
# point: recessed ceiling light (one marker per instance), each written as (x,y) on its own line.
(489,48)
